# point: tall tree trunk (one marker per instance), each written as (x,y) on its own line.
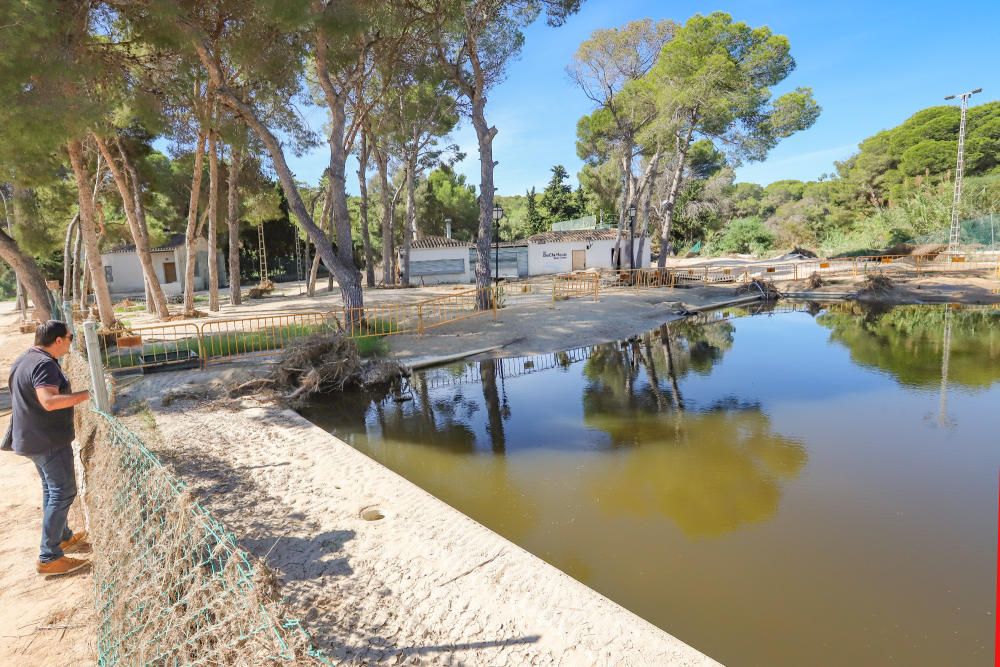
(411,216)
(327,220)
(86,284)
(336,101)
(338,185)
(67,286)
(643,192)
(213,221)
(233,223)
(683,144)
(140,216)
(347,275)
(626,166)
(89,230)
(30,275)
(140,238)
(382,162)
(366,240)
(191,234)
(484,135)
(20,302)
(77,265)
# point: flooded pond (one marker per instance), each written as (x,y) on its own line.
(816,487)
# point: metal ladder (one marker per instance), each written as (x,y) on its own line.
(262,253)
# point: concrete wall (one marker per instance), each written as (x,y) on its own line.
(547,258)
(437,254)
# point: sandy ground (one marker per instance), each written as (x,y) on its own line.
(43,621)
(424,584)
(543,327)
(969,289)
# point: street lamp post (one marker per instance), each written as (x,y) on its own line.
(497,215)
(631,236)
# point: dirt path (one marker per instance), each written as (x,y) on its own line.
(43,622)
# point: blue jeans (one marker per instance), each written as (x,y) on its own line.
(58,491)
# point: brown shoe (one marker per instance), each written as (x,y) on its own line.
(72,544)
(59,566)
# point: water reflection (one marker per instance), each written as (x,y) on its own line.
(707,467)
(717,471)
(748,473)
(909,342)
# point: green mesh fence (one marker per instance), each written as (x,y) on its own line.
(173,587)
(983,231)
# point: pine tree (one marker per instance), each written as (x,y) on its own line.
(536,223)
(558,202)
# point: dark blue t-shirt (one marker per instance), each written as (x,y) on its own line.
(34,429)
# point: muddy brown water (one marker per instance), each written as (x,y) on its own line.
(816,487)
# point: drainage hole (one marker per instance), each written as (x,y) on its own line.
(372,514)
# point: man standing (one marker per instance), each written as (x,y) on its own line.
(42,430)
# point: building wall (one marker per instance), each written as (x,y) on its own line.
(513,262)
(126,270)
(434,255)
(125,275)
(548,258)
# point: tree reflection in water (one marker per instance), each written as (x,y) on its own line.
(908,342)
(707,468)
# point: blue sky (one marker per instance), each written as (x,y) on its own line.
(871,65)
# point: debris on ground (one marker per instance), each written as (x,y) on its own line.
(260,291)
(929,250)
(814,281)
(876,284)
(804,252)
(323,362)
(765,288)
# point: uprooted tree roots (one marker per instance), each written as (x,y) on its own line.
(765,288)
(814,281)
(324,362)
(876,284)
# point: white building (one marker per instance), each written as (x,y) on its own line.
(578,250)
(439,259)
(124,271)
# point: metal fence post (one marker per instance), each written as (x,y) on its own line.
(99,386)
(67,308)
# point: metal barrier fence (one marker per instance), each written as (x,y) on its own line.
(190,345)
(173,587)
(648,277)
(507,367)
(221,340)
(582,283)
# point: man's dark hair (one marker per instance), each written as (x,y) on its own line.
(47,332)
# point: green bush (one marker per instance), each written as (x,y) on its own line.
(743,235)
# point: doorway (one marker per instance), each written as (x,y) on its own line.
(169,272)
(579,260)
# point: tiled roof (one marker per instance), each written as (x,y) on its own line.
(438,242)
(175,241)
(575,235)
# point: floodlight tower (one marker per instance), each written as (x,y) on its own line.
(956,226)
